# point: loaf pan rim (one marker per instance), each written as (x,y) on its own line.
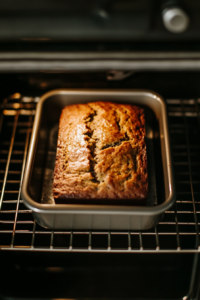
(97,209)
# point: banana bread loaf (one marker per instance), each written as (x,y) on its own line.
(101,152)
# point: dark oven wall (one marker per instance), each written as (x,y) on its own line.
(107,20)
(171,85)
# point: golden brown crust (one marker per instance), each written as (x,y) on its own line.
(101,152)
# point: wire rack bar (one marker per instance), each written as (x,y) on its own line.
(9,158)
(21,180)
(157,239)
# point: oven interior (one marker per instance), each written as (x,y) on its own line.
(160,263)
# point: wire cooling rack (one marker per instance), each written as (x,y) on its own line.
(177,232)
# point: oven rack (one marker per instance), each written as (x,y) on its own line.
(177,232)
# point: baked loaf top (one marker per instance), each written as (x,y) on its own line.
(101,152)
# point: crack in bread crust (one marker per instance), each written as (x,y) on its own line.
(114,144)
(92,146)
(117,120)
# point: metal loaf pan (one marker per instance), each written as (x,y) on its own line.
(38,177)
